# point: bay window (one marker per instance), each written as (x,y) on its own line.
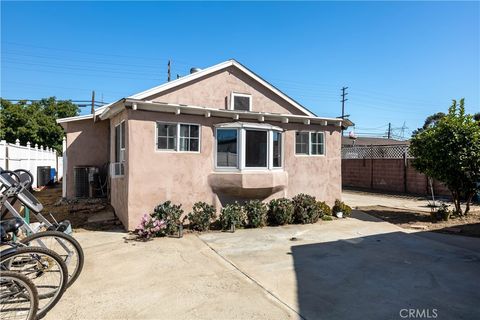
(245,146)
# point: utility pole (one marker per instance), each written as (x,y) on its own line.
(169,72)
(343,103)
(389,130)
(93,102)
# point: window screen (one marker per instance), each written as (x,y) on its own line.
(241,103)
(189,137)
(227,154)
(277,149)
(317,143)
(256,148)
(301,142)
(166,136)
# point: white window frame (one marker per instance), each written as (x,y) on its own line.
(121,163)
(241,151)
(177,138)
(235,94)
(309,154)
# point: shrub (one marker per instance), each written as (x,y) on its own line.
(327,218)
(201,216)
(256,212)
(232,214)
(443,213)
(324,208)
(151,227)
(340,206)
(280,211)
(170,214)
(306,209)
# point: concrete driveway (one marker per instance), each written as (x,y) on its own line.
(355,268)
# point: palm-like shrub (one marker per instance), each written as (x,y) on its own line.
(305,209)
(232,214)
(280,211)
(170,214)
(201,216)
(256,212)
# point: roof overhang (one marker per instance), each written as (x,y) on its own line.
(98,112)
(178,109)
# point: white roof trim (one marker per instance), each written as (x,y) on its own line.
(77,118)
(223,113)
(264,126)
(207,71)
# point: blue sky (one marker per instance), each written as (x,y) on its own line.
(401,61)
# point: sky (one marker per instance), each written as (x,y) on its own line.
(401,61)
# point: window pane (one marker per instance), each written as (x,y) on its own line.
(194,145)
(167,134)
(117,143)
(122,133)
(184,130)
(277,149)
(241,103)
(227,148)
(256,148)
(301,142)
(317,143)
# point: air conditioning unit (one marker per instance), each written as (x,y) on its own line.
(86,181)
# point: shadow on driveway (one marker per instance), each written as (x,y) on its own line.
(374,277)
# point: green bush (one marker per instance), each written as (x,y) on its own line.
(443,213)
(306,209)
(280,211)
(324,208)
(170,214)
(201,216)
(256,212)
(232,214)
(327,218)
(340,206)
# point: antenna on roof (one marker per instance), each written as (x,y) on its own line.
(169,71)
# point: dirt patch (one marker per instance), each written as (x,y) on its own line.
(78,212)
(410,219)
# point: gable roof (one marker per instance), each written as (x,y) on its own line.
(229,63)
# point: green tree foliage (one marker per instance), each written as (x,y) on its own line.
(35,122)
(429,122)
(449,151)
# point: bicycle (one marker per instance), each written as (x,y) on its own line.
(18,297)
(45,268)
(17,184)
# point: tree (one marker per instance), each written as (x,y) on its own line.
(35,122)
(429,122)
(476,116)
(449,151)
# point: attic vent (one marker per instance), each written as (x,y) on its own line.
(194,69)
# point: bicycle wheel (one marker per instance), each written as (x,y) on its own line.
(18,297)
(45,268)
(64,245)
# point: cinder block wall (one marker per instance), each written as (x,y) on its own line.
(387,175)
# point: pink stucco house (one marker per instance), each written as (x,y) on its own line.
(217,135)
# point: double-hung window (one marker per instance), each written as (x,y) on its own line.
(242,102)
(178,137)
(309,143)
(245,146)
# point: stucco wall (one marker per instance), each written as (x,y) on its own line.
(215,90)
(157,176)
(87,145)
(119,185)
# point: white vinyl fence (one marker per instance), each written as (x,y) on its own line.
(14,156)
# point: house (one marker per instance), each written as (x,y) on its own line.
(371,141)
(216,135)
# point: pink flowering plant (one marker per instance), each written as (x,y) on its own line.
(150,226)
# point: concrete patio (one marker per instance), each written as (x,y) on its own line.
(355,268)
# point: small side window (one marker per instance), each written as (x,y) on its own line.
(166,136)
(318,146)
(242,102)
